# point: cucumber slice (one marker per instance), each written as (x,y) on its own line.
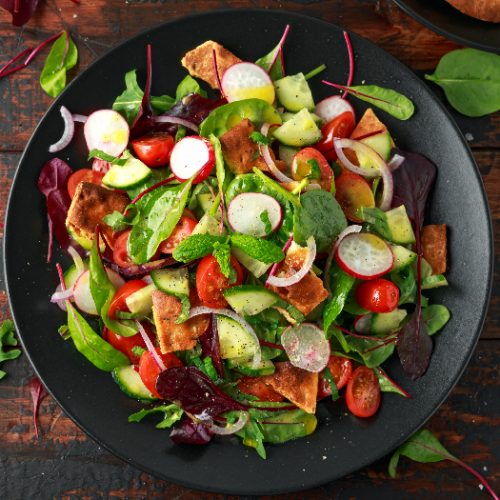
(206,200)
(402,257)
(127,176)
(250,299)
(393,225)
(131,384)
(300,131)
(235,341)
(85,243)
(381,143)
(174,281)
(256,267)
(72,274)
(383,323)
(245,367)
(288,115)
(207,225)
(140,303)
(434,281)
(294,93)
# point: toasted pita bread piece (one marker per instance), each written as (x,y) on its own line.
(88,207)
(434,246)
(368,124)
(309,292)
(171,335)
(297,385)
(199,61)
(486,10)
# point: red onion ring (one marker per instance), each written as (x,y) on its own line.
(150,347)
(176,121)
(395,162)
(230,428)
(275,266)
(266,154)
(69,131)
(79,118)
(60,296)
(296,277)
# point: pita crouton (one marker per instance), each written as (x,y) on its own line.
(368,124)
(171,335)
(88,207)
(199,61)
(299,386)
(309,292)
(434,246)
(486,10)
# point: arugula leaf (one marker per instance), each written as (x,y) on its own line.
(62,57)
(222,253)
(259,138)
(171,414)
(333,386)
(264,217)
(257,248)
(470,79)
(195,247)
(188,86)
(129,102)
(7,339)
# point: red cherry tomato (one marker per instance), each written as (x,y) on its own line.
(363,393)
(378,295)
(256,387)
(341,370)
(83,175)
(353,192)
(118,303)
(120,253)
(126,344)
(181,231)
(149,370)
(341,126)
(210,282)
(154,150)
(302,167)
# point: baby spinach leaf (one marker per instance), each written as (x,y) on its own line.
(188,86)
(470,79)
(195,247)
(257,248)
(341,285)
(264,217)
(171,414)
(319,215)
(388,385)
(7,339)
(372,352)
(159,214)
(62,57)
(276,72)
(435,317)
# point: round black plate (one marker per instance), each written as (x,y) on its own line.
(444,19)
(341,443)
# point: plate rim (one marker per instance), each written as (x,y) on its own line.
(484,199)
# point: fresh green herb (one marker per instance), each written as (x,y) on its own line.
(180,134)
(333,386)
(222,253)
(276,72)
(435,317)
(258,248)
(138,350)
(253,437)
(118,221)
(7,339)
(209,368)
(259,138)
(315,71)
(62,57)
(315,171)
(470,79)
(195,247)
(97,153)
(130,101)
(424,447)
(171,414)
(274,187)
(264,217)
(188,86)
(388,385)
(220,169)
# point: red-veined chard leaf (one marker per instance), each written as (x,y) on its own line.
(21,10)
(189,432)
(38,392)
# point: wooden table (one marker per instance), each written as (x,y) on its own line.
(64,462)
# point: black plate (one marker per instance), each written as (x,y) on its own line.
(341,443)
(443,18)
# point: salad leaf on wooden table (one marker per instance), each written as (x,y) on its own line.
(21,10)
(7,340)
(171,414)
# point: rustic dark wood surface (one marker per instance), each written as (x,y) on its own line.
(63,463)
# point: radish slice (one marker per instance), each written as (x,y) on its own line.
(60,295)
(306,347)
(245,210)
(101,166)
(83,296)
(363,323)
(306,267)
(266,154)
(246,80)
(69,131)
(364,256)
(331,107)
(176,121)
(107,131)
(191,155)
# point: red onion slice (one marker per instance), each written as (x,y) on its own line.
(387,188)
(266,154)
(60,295)
(69,131)
(150,347)
(296,277)
(395,162)
(275,266)
(176,121)
(306,347)
(79,118)
(197,311)
(229,428)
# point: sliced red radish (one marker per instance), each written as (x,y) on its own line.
(364,256)
(107,131)
(192,155)
(363,323)
(331,107)
(245,213)
(81,290)
(306,347)
(246,80)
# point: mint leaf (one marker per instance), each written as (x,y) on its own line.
(259,138)
(264,217)
(195,247)
(171,414)
(257,248)
(222,253)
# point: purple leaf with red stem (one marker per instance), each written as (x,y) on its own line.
(351,62)
(190,432)
(21,10)
(38,392)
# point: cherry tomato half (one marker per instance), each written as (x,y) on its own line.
(341,126)
(120,253)
(256,387)
(309,162)
(378,295)
(353,192)
(118,303)
(149,370)
(126,344)
(341,370)
(362,395)
(210,282)
(83,175)
(154,149)
(181,231)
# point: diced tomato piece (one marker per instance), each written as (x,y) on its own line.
(341,370)
(181,231)
(127,344)
(352,192)
(154,149)
(341,127)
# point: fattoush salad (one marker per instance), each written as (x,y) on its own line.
(241,252)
